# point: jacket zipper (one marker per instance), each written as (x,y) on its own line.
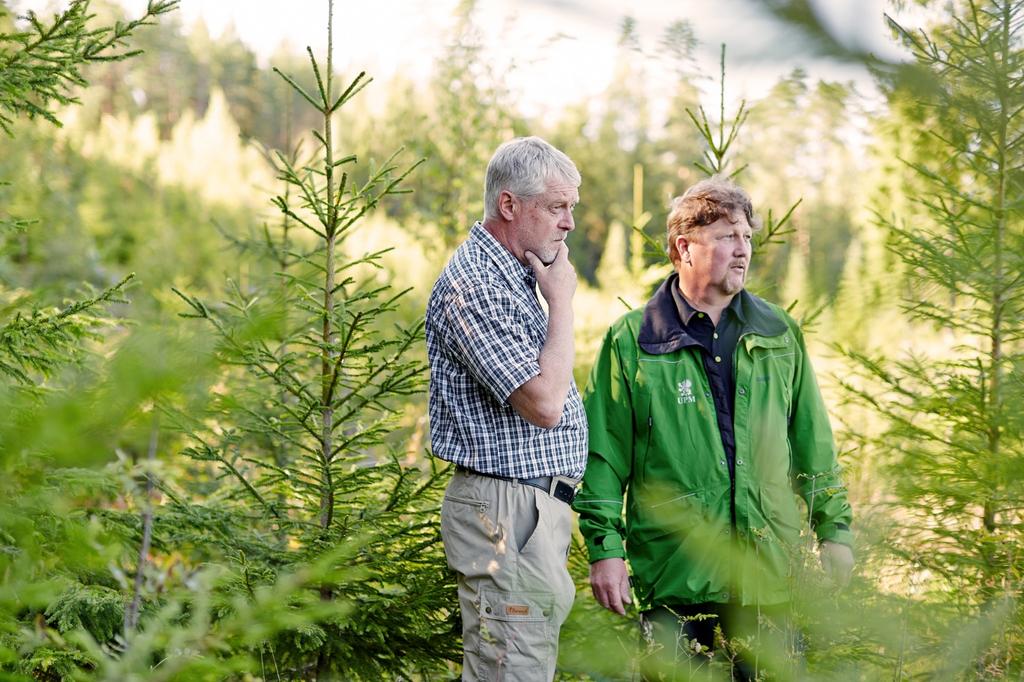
(732,469)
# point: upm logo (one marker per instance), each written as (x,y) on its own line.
(686,392)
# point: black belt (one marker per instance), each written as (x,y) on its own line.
(558,487)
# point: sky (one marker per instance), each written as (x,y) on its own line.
(561,51)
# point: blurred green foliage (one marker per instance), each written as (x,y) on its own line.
(170,507)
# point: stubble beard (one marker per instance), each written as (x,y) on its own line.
(733,284)
(548,257)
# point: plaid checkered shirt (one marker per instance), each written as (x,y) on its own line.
(485,330)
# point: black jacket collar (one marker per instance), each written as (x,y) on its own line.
(662,330)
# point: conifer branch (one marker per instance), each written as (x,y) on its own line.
(210,453)
(42,341)
(41,65)
(301,421)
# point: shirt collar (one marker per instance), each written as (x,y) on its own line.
(662,330)
(687,311)
(507,264)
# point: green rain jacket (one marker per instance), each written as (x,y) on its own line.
(691,533)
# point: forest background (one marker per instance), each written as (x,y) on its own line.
(249,494)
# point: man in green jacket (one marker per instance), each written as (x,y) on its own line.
(706,422)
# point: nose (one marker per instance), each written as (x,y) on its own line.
(567,223)
(743,247)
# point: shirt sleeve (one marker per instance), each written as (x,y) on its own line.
(817,473)
(609,465)
(487,330)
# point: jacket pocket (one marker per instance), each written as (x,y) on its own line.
(665,511)
(780,510)
(774,363)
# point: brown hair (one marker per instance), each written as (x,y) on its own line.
(705,203)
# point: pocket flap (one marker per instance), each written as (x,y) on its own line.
(516,606)
(757,341)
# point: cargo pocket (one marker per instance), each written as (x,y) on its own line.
(516,635)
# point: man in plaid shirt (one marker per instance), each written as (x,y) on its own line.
(505,409)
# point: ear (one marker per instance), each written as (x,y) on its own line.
(507,204)
(682,247)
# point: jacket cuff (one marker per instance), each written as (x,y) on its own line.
(607,547)
(835,532)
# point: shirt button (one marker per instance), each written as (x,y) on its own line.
(722,462)
(707,394)
(700,315)
(742,391)
(739,462)
(715,335)
(725,595)
(718,358)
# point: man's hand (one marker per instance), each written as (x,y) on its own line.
(609,581)
(837,560)
(541,400)
(557,281)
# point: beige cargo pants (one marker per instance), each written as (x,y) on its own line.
(508,543)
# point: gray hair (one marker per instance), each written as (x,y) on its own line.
(524,166)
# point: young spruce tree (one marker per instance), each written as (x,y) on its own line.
(954,434)
(299,438)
